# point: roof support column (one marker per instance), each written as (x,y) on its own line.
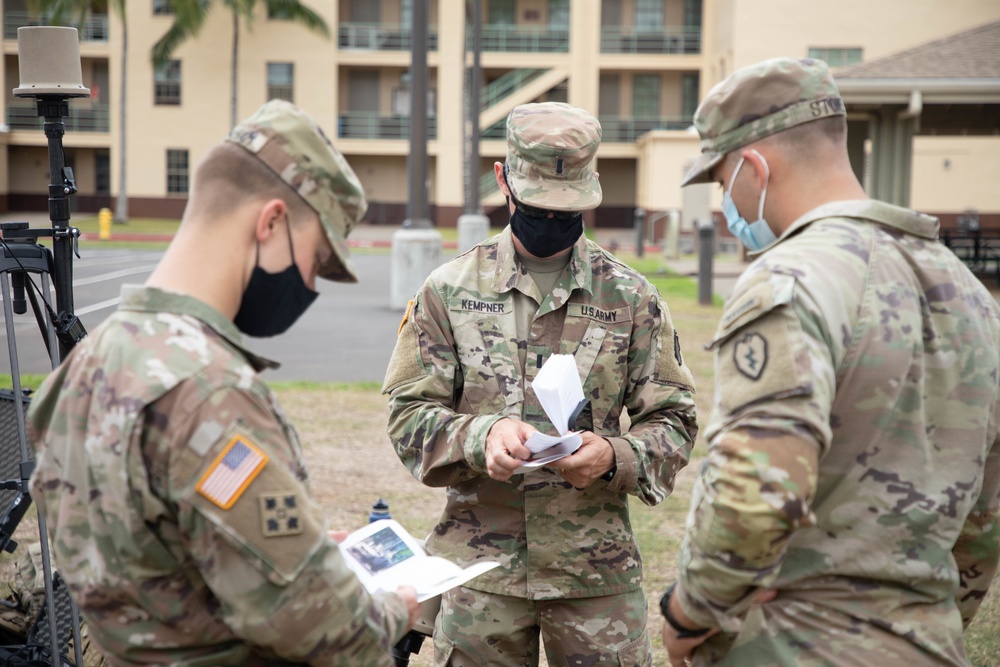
(892,151)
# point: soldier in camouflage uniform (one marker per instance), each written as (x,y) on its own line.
(854,463)
(462,407)
(172,483)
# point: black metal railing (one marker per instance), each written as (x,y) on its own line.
(379,37)
(87,117)
(365,125)
(94,28)
(620,129)
(667,40)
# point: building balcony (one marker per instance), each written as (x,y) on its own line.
(667,40)
(521,39)
(619,129)
(94,28)
(84,118)
(367,125)
(497,130)
(379,37)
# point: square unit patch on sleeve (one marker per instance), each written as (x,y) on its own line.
(279,514)
(231,473)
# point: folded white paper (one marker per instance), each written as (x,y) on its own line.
(385,556)
(558,389)
(559,392)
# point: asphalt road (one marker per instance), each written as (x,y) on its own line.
(347,335)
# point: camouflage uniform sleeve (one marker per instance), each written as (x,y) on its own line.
(660,405)
(770,423)
(977,551)
(439,446)
(263,549)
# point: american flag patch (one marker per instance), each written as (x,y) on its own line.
(229,476)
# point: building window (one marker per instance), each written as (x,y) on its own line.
(162,7)
(648,15)
(646,96)
(689,93)
(102,172)
(167,83)
(281,81)
(501,12)
(559,14)
(837,57)
(177,171)
(692,13)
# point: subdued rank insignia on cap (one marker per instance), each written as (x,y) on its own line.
(677,349)
(279,514)
(750,355)
(231,473)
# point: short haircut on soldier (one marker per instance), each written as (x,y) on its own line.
(228,174)
(809,138)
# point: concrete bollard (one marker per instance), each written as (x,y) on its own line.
(706,249)
(415,253)
(473,229)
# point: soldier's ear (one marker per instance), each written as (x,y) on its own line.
(501,181)
(270,214)
(761,169)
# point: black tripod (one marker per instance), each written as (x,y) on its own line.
(22,259)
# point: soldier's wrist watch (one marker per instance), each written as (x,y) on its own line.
(682,632)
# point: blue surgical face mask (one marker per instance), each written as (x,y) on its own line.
(754,235)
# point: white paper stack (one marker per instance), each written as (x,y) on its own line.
(559,391)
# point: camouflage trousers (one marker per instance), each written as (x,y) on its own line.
(791,632)
(477,628)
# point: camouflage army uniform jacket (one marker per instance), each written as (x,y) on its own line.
(868,340)
(455,371)
(176,500)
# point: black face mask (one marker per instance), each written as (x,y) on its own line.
(273,301)
(543,236)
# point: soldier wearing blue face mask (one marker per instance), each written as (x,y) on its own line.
(848,510)
(754,235)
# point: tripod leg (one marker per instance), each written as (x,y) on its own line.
(77,640)
(50,598)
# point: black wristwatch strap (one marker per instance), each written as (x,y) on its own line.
(610,475)
(682,632)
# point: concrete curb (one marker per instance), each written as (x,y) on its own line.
(166,238)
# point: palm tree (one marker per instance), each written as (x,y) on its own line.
(189,16)
(74,12)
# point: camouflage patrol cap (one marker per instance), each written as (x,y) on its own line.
(550,156)
(758,101)
(292,145)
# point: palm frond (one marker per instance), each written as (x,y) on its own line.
(189,17)
(294,10)
(62,12)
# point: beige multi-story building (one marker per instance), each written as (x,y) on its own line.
(640,65)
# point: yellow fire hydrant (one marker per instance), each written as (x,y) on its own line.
(104,223)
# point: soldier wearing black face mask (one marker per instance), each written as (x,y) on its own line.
(543,233)
(462,407)
(158,430)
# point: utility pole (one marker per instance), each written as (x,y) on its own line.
(416,248)
(473,226)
